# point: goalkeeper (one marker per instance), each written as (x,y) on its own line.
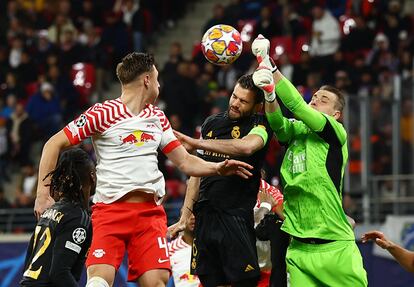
(323,251)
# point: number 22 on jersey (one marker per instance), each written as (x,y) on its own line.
(40,244)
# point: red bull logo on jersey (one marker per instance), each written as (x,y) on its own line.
(188,277)
(137,138)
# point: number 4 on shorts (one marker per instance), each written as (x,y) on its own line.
(162,243)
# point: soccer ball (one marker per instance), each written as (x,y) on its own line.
(221,44)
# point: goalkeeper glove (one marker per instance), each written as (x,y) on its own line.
(260,49)
(263,79)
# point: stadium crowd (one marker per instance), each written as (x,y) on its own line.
(357,46)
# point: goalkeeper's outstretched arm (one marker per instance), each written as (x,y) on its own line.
(287,93)
(294,101)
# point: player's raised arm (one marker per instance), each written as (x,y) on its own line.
(245,146)
(264,79)
(196,166)
(288,94)
(47,163)
(293,100)
(191,196)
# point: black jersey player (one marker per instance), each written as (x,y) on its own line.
(224,247)
(58,246)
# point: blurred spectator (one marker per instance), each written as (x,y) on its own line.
(294,24)
(342,81)
(180,96)
(94,53)
(266,24)
(64,8)
(365,83)
(4,65)
(359,38)
(285,66)
(302,69)
(405,67)
(25,71)
(381,56)
(88,11)
(232,12)
(43,49)
(127,9)
(325,37)
(115,38)
(70,52)
(68,95)
(140,29)
(4,203)
(21,134)
(61,24)
(218,18)
(338,64)
(226,77)
(11,87)
(336,7)
(394,23)
(219,100)
(312,85)
(15,55)
(4,147)
(44,110)
(386,83)
(175,57)
(26,188)
(9,106)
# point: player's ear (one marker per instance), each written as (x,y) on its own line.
(337,115)
(146,80)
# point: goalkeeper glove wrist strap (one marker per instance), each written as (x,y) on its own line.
(270,98)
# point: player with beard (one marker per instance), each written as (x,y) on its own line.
(224,247)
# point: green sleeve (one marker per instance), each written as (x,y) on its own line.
(295,103)
(282,127)
(261,132)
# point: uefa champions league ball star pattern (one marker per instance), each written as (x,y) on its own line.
(221,44)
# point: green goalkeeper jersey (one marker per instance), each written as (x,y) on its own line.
(312,169)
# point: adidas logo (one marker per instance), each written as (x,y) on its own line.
(249,268)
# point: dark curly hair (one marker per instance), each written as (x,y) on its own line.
(72,170)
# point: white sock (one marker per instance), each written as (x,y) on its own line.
(97,282)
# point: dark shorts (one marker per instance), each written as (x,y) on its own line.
(224,247)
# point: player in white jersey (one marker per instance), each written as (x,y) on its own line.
(269,199)
(126,134)
(180,257)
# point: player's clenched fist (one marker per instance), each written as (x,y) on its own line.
(263,79)
(261,47)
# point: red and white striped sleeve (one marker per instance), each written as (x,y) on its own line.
(175,245)
(272,190)
(168,140)
(95,120)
